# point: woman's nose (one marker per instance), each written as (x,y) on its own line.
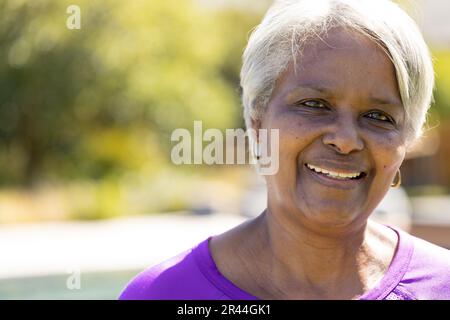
(344,137)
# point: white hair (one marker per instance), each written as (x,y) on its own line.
(289,24)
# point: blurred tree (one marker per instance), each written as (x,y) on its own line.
(103,100)
(442,92)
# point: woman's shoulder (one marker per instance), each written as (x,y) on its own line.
(430,253)
(428,272)
(157,279)
(177,278)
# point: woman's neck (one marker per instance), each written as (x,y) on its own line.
(297,263)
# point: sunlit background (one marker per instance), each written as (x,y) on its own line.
(88,193)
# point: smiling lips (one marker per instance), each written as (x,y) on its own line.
(338,175)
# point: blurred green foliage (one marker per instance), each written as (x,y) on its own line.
(101,102)
(442,92)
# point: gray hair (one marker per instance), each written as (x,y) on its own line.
(289,24)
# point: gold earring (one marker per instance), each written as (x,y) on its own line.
(397,180)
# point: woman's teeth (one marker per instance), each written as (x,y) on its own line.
(334,174)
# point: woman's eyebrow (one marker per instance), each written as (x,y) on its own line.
(314,87)
(299,89)
(328,91)
(390,102)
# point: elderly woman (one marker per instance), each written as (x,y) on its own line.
(348,84)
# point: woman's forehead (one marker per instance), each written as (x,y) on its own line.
(342,61)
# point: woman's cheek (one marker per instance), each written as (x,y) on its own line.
(389,157)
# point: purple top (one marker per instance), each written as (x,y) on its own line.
(419,270)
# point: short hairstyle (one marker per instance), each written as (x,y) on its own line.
(289,24)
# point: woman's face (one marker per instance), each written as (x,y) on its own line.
(339,110)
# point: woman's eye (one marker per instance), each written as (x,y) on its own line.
(313,104)
(380,116)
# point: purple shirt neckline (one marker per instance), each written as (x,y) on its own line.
(394,274)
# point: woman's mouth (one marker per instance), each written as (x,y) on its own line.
(338,175)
